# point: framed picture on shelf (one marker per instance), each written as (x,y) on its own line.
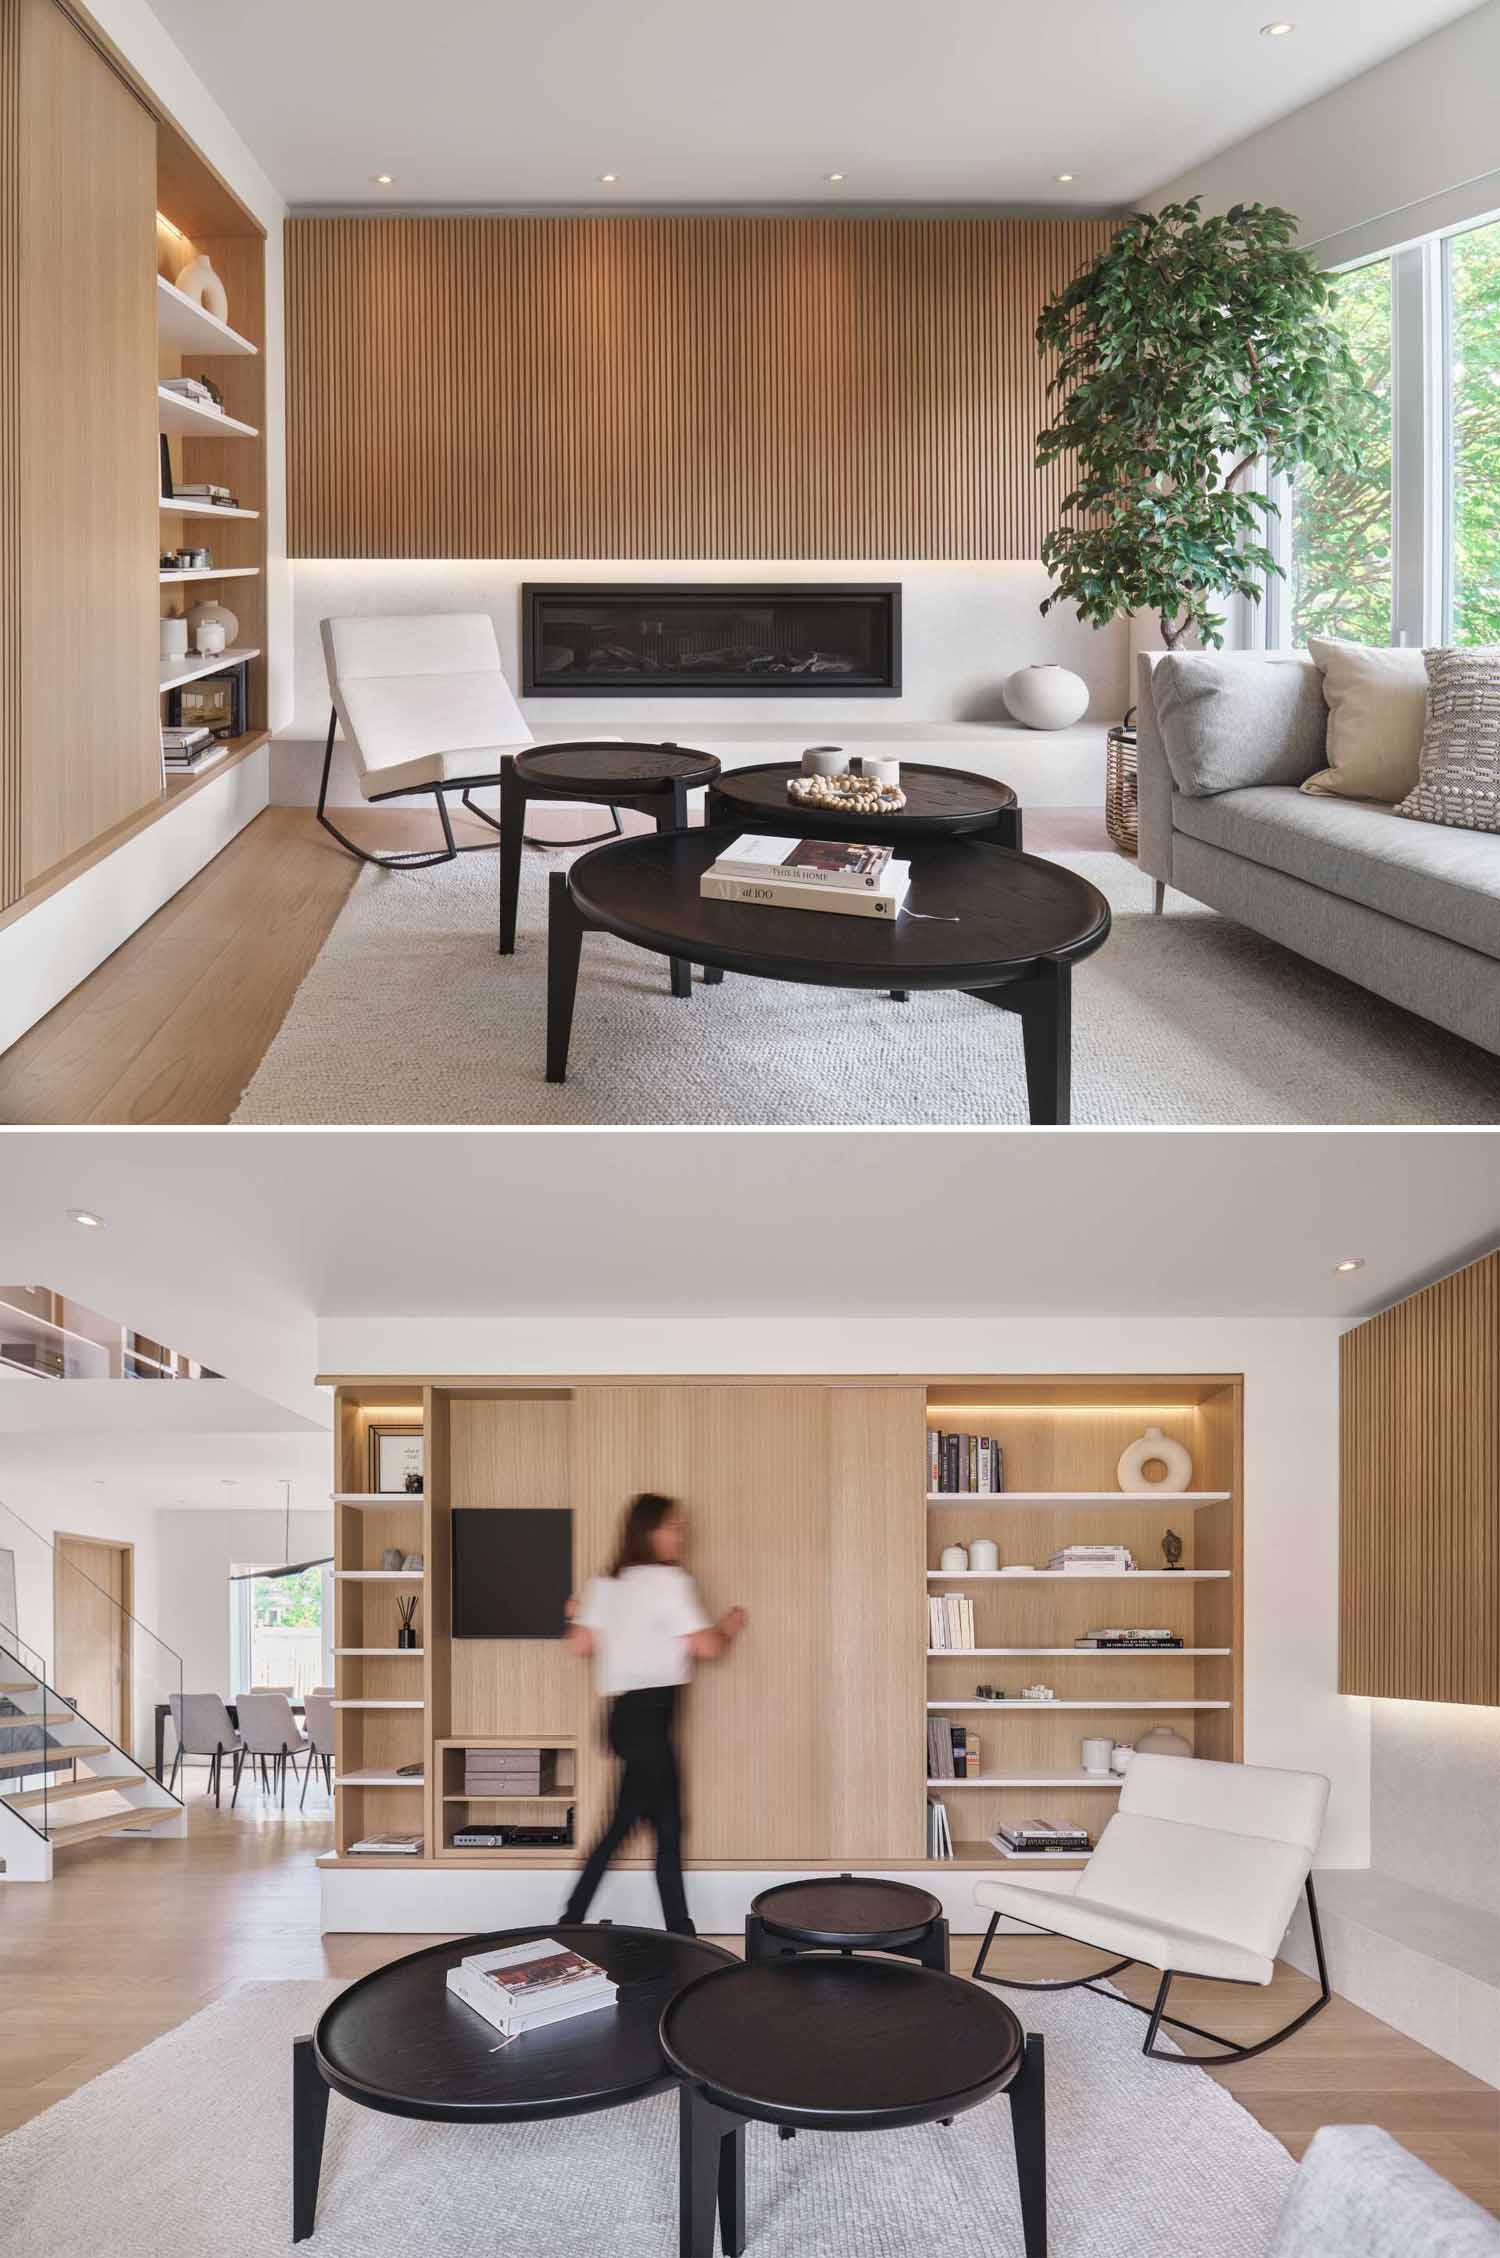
(395,1460)
(213,703)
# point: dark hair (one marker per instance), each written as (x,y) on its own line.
(643,1517)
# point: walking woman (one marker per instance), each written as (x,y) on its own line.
(645,1627)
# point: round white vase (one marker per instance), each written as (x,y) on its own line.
(220,613)
(174,636)
(1046,697)
(984,1554)
(208,640)
(1131,1472)
(199,282)
(954,1561)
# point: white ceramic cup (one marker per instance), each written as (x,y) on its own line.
(1096,1755)
(880,771)
(824,760)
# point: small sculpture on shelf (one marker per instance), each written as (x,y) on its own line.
(1038,1693)
(989,1693)
(414,1485)
(199,282)
(1171,1545)
(392,1560)
(1154,1449)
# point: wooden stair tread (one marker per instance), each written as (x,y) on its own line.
(83,1830)
(40,1717)
(19,1685)
(36,1759)
(21,1798)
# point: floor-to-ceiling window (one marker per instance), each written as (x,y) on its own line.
(1472,300)
(1342,523)
(281,1627)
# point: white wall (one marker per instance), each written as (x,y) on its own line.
(1403,149)
(1294,1715)
(1435,1798)
(198,1548)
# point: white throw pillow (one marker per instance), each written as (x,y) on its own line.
(1460,776)
(1377,705)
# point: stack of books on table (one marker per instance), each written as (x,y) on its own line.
(939,1832)
(185,751)
(1093,1560)
(508,1772)
(950,1622)
(967,1465)
(523,1987)
(952,1750)
(1038,1838)
(828,874)
(1128,1641)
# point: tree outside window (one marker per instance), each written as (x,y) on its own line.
(1474,434)
(1342,520)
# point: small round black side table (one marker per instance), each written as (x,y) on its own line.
(847,1913)
(941,803)
(836,2045)
(399,2041)
(655,780)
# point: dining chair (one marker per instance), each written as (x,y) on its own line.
(318,1722)
(201,1723)
(268,1734)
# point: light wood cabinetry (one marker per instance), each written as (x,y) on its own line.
(806,1503)
(1419,1523)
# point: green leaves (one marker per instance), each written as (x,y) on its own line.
(1189,351)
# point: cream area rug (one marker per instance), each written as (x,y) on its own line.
(184,2151)
(409,1016)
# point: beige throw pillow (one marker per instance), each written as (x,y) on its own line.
(1460,779)
(1377,702)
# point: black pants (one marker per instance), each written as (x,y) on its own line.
(640,1733)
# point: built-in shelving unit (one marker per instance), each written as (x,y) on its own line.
(209,572)
(187,327)
(174,672)
(171,506)
(456,1808)
(1062,1441)
(185,418)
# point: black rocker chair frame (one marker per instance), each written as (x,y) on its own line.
(423,858)
(1156,2012)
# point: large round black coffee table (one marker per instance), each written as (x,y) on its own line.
(400,2042)
(941,803)
(835,2045)
(847,1913)
(654,780)
(1006,928)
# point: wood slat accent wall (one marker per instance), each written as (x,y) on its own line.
(1419,1615)
(671,387)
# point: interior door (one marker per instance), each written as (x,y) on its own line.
(91,1629)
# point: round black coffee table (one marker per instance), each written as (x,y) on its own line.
(847,1913)
(398,2041)
(941,803)
(655,780)
(836,2045)
(1018,926)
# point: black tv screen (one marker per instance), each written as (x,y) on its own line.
(512,1572)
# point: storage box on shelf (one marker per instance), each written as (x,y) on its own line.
(552,1806)
(1062,1442)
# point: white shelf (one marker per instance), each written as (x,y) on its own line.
(1073,1575)
(189,328)
(1080,1653)
(188,419)
(1042,1857)
(378,1575)
(378,1497)
(174,672)
(378,1705)
(212,572)
(1011,1702)
(1038,1780)
(1132,1498)
(386,1650)
(171,507)
(380,1780)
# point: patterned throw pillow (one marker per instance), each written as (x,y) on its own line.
(1459,782)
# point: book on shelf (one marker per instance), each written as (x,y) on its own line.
(1039,1837)
(190,388)
(883,901)
(952,1750)
(202,490)
(950,1622)
(965,1465)
(522,1987)
(1093,1560)
(1128,1641)
(387,1846)
(824,863)
(939,1831)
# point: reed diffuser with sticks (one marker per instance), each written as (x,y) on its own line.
(407,1635)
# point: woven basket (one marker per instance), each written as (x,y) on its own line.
(1120,785)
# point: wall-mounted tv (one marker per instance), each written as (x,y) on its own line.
(512,1571)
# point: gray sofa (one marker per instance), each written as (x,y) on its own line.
(1360,2194)
(1410,910)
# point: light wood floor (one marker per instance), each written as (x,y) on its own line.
(132,1938)
(171,1028)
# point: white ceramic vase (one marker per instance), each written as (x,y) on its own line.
(220,613)
(174,636)
(1154,1445)
(954,1561)
(1096,1755)
(1162,1741)
(208,639)
(1046,697)
(984,1553)
(1119,1757)
(199,282)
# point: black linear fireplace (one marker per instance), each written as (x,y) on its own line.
(789,639)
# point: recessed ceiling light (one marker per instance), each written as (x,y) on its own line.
(1065,176)
(1276,31)
(834,176)
(609,178)
(381,179)
(89,1221)
(1353,1262)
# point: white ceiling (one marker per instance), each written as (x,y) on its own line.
(974,101)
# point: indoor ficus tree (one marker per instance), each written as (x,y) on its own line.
(1191,354)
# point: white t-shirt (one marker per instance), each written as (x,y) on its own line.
(640,1620)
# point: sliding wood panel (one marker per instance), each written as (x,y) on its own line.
(84,367)
(676,387)
(1419,1616)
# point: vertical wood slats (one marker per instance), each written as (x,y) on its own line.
(10,452)
(1419,1568)
(687,386)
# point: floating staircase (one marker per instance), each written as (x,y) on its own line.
(63,1782)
